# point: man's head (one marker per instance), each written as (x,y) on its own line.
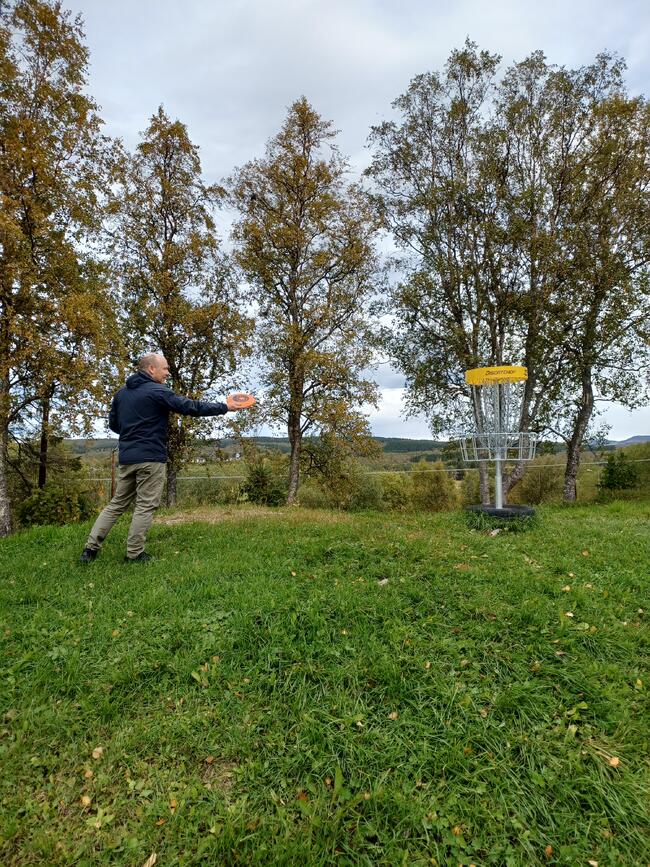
(155,365)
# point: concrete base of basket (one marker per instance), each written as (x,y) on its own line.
(506,513)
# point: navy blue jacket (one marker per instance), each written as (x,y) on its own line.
(140,415)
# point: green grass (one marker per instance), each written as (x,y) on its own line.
(288,687)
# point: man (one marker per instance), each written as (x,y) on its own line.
(140,415)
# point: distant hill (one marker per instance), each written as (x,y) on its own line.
(402,444)
(82,446)
(390,445)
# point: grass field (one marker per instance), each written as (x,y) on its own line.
(294,687)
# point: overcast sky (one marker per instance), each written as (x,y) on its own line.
(229,69)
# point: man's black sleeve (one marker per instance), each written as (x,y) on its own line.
(112,417)
(187,406)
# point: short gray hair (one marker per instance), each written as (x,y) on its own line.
(151,359)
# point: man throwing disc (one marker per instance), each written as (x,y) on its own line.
(140,415)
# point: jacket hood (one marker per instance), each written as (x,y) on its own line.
(138,379)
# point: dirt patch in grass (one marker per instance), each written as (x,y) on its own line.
(221,515)
(219,774)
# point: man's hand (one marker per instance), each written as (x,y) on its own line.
(239,401)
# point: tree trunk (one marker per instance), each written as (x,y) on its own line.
(5,504)
(45,438)
(295,438)
(515,476)
(583,416)
(175,449)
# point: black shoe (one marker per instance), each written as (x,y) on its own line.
(88,555)
(142,557)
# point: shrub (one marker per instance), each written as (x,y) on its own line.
(470,487)
(541,483)
(55,504)
(395,491)
(368,494)
(433,489)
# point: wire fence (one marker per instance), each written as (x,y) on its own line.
(187,481)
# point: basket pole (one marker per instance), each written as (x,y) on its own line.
(498,480)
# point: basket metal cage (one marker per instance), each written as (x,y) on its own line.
(503,446)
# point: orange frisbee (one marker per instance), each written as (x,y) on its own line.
(240,401)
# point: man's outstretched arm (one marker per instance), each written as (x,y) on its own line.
(187,406)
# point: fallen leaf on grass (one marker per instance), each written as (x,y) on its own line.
(98,752)
(484,712)
(393,715)
(302,796)
(293,574)
(160,822)
(85,801)
(151,860)
(88,774)
(548,851)
(427,665)
(462,567)
(209,760)
(383,582)
(173,804)
(568,613)
(592,863)
(585,553)
(638,684)
(567,588)
(457,830)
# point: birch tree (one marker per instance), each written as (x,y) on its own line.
(55,310)
(305,244)
(177,288)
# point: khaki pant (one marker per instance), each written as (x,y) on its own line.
(140,482)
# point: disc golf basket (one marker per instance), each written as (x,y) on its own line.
(497,436)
